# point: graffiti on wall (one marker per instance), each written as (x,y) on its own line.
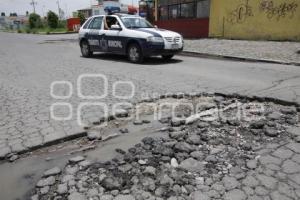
(283,10)
(240,13)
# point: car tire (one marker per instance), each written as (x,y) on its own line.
(167,57)
(134,53)
(85,49)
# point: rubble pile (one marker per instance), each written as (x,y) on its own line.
(202,158)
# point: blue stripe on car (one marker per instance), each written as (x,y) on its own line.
(148,31)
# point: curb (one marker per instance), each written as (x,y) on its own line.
(58,33)
(46,144)
(236,58)
(42,33)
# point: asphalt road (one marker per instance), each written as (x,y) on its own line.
(30,63)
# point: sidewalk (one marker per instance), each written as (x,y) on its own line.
(265,51)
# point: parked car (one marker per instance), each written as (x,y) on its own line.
(127,35)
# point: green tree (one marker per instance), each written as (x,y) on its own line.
(81,17)
(52,19)
(34,20)
(3,14)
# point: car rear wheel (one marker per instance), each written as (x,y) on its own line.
(167,57)
(135,53)
(85,49)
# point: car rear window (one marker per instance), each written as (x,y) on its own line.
(85,26)
(96,23)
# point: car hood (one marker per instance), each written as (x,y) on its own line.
(159,32)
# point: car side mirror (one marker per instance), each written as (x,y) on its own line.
(115,27)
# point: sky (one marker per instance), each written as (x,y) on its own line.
(42,6)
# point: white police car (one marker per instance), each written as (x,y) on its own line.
(127,35)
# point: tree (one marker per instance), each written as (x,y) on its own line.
(3,14)
(34,20)
(81,17)
(27,13)
(52,19)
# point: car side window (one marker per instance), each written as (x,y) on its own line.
(96,23)
(109,21)
(87,23)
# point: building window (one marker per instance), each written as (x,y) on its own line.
(163,2)
(203,8)
(173,9)
(187,10)
(163,13)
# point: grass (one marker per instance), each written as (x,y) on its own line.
(46,30)
(49,30)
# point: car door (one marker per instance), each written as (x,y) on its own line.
(112,39)
(93,34)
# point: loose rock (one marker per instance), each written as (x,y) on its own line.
(76,159)
(52,172)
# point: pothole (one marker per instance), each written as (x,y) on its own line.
(205,140)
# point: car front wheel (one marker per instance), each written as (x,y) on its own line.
(85,49)
(167,57)
(135,53)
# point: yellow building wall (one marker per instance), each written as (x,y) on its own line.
(255,19)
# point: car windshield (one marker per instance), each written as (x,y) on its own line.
(136,22)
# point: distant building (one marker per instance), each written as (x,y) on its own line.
(87,12)
(2,22)
(13,22)
(98,10)
(107,6)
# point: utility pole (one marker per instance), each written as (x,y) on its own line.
(58,8)
(43,10)
(33,3)
(156,10)
(67,12)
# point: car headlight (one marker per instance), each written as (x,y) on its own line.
(181,38)
(155,39)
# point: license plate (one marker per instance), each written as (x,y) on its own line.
(175,46)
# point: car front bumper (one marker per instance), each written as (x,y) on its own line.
(159,49)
